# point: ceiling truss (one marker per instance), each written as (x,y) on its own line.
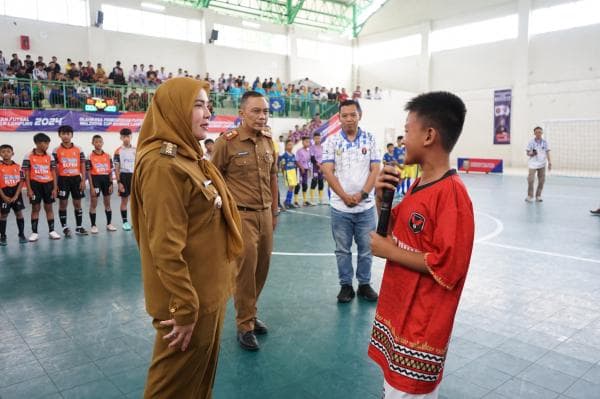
(339,16)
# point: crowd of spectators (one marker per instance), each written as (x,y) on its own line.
(28,83)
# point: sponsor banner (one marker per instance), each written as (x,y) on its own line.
(18,120)
(480,165)
(502,111)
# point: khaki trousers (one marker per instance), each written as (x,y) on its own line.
(253,265)
(541,175)
(190,374)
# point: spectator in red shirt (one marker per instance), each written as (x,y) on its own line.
(343,96)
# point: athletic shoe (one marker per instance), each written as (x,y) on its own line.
(366,292)
(539,199)
(307,203)
(110,227)
(529,199)
(3,242)
(94,230)
(53,235)
(22,240)
(596,212)
(346,294)
(296,205)
(67,232)
(35,236)
(126,226)
(80,231)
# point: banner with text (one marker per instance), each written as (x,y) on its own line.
(502,110)
(18,120)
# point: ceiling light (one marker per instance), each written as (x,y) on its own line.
(153,7)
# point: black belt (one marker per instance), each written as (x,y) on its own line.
(246,209)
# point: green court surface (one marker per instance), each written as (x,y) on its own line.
(74,324)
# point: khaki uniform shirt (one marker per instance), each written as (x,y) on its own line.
(182,239)
(246,162)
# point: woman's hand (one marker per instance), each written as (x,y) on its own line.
(180,336)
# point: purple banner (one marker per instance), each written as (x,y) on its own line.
(502,110)
(14,120)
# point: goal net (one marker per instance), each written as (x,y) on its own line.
(574,146)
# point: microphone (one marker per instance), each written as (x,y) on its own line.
(386,211)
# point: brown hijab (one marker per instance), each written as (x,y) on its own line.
(169,118)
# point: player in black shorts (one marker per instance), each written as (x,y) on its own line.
(100,168)
(11,184)
(70,165)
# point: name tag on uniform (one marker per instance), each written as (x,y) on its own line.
(243,153)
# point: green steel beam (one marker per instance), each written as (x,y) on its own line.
(292,11)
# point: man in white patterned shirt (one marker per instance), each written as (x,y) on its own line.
(351,162)
(538,152)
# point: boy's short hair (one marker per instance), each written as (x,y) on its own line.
(399,137)
(443,111)
(6,146)
(348,103)
(96,136)
(315,134)
(125,132)
(41,138)
(288,141)
(305,138)
(389,144)
(538,127)
(209,141)
(65,129)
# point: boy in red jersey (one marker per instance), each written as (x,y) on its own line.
(40,178)
(428,250)
(70,166)
(100,168)
(11,184)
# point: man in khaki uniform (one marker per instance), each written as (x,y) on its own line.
(246,158)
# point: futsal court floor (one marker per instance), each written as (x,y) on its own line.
(528,326)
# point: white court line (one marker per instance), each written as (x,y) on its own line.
(309,214)
(499,228)
(483,240)
(537,251)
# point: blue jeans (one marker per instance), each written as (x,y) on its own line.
(345,227)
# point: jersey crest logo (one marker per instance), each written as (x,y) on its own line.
(416,222)
(364,151)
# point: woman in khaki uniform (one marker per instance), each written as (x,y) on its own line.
(188,230)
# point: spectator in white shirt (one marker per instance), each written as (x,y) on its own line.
(39,73)
(3,64)
(377,94)
(162,75)
(538,152)
(133,75)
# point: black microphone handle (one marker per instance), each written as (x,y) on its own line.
(386,211)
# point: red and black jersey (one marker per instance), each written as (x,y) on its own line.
(415,312)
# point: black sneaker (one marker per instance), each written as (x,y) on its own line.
(3,242)
(260,328)
(23,240)
(366,292)
(596,212)
(248,341)
(346,294)
(67,232)
(80,231)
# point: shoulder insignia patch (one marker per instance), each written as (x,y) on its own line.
(168,149)
(266,132)
(230,135)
